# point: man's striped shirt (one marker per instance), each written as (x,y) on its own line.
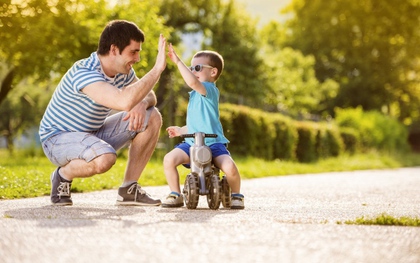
(70,110)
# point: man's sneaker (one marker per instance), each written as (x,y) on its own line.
(173,200)
(237,201)
(134,195)
(60,190)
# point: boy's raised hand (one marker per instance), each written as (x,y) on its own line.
(172,54)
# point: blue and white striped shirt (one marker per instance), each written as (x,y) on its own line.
(70,110)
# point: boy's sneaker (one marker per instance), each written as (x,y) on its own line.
(134,195)
(237,201)
(173,200)
(60,190)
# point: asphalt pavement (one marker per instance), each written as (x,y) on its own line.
(296,218)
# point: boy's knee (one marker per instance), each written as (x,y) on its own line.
(168,160)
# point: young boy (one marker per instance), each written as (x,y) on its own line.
(202,116)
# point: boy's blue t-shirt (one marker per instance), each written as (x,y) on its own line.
(203,115)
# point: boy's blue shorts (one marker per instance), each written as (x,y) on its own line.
(217,149)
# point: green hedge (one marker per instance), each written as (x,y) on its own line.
(329,141)
(351,139)
(375,130)
(254,132)
(306,149)
(275,136)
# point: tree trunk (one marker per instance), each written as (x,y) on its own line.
(6,84)
(10,145)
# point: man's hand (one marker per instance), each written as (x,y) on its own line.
(137,116)
(161,56)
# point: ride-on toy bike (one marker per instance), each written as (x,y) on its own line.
(204,178)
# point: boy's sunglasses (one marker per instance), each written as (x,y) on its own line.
(199,67)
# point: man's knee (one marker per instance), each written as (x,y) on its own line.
(104,162)
(155,120)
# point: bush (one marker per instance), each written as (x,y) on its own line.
(375,129)
(270,136)
(350,139)
(241,135)
(328,141)
(254,132)
(285,139)
(306,149)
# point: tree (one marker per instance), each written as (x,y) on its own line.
(369,47)
(40,37)
(22,110)
(293,86)
(234,35)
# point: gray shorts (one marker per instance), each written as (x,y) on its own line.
(60,149)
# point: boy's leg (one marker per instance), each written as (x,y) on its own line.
(224,161)
(228,166)
(171,161)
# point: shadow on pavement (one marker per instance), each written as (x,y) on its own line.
(70,216)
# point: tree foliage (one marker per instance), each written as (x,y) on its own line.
(41,36)
(293,86)
(22,111)
(370,47)
(228,29)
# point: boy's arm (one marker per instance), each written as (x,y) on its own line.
(186,73)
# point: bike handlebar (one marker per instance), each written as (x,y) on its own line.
(192,135)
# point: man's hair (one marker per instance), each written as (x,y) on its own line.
(216,60)
(119,33)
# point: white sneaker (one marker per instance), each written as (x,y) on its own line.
(173,200)
(237,201)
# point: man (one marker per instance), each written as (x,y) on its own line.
(77,131)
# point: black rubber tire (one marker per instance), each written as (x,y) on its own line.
(191,191)
(213,197)
(225,192)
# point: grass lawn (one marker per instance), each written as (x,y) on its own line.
(29,176)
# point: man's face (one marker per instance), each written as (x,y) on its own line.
(128,57)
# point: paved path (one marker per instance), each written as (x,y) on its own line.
(287,219)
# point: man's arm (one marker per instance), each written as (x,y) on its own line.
(127,98)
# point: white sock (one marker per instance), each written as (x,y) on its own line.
(125,184)
(62,176)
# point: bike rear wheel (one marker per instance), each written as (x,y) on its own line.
(225,193)
(213,197)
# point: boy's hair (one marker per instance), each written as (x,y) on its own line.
(216,60)
(119,33)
